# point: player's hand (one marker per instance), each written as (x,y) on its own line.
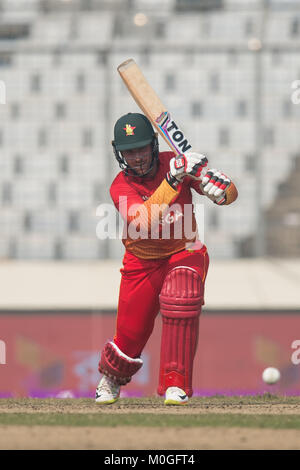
(188,164)
(214,185)
(218,187)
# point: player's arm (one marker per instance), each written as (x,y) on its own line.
(134,209)
(156,206)
(149,213)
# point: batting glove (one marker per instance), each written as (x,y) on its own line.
(214,185)
(188,164)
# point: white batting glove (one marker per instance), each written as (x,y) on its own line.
(188,164)
(214,185)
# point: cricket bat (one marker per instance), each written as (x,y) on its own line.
(152,107)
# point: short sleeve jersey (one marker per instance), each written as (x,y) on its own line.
(158,220)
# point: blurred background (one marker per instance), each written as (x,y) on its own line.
(229,72)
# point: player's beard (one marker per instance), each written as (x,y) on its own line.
(143,169)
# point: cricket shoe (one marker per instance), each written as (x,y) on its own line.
(107,391)
(175,396)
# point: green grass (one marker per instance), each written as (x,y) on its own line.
(84,412)
(217,400)
(152,420)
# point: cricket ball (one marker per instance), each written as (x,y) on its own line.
(271,375)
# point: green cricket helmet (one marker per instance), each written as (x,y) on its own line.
(131,131)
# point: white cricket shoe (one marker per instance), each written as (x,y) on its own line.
(107,391)
(175,396)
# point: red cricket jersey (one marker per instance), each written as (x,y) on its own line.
(159,220)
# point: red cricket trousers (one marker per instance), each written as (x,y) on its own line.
(141,283)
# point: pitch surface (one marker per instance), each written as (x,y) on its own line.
(256,422)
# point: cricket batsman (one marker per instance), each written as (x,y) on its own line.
(165,264)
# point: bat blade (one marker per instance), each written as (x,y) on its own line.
(151,105)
